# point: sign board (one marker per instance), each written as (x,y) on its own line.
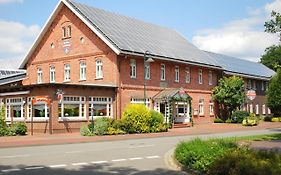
(41,99)
(251,94)
(66,46)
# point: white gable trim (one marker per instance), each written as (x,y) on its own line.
(49,22)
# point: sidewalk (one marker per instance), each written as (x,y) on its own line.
(46,139)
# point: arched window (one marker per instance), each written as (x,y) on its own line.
(99,73)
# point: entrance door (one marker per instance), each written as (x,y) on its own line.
(182,112)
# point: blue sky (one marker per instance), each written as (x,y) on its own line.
(233,27)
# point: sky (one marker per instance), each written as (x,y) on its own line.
(231,27)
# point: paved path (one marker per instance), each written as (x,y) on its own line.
(127,156)
(46,139)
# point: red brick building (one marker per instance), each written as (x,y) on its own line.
(91,63)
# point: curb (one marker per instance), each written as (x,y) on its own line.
(171,162)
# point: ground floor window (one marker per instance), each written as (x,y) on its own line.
(263,110)
(38,110)
(251,108)
(268,111)
(15,108)
(100,107)
(141,101)
(257,109)
(72,107)
(201,107)
(211,106)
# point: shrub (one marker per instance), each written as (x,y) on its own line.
(267,119)
(199,155)
(136,119)
(17,128)
(85,131)
(229,120)
(243,161)
(250,121)
(115,131)
(101,125)
(275,119)
(157,122)
(218,120)
(3,132)
(118,124)
(239,116)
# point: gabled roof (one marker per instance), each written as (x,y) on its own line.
(126,35)
(237,66)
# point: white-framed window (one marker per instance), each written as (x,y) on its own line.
(201,106)
(262,85)
(211,107)
(133,68)
(39,75)
(257,109)
(52,74)
(177,74)
(63,32)
(163,72)
(100,107)
(147,71)
(268,111)
(251,108)
(99,69)
(141,101)
(200,76)
(40,110)
(187,75)
(72,107)
(69,31)
(67,72)
(210,77)
(263,109)
(83,68)
(15,108)
(182,109)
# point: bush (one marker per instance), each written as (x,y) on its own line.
(229,120)
(239,116)
(276,119)
(17,128)
(3,132)
(267,119)
(250,121)
(198,155)
(85,131)
(115,131)
(244,161)
(218,120)
(137,119)
(101,125)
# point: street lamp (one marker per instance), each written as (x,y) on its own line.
(146,60)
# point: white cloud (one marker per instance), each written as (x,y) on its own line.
(242,38)
(10,1)
(16,39)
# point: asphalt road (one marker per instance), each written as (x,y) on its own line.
(138,156)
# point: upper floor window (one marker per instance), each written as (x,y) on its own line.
(39,75)
(69,31)
(63,32)
(210,77)
(163,72)
(67,72)
(66,32)
(177,74)
(99,73)
(133,68)
(262,85)
(83,70)
(147,71)
(52,74)
(254,85)
(249,84)
(187,75)
(200,76)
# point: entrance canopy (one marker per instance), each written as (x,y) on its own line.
(172,95)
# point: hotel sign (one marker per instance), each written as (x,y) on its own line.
(251,94)
(41,99)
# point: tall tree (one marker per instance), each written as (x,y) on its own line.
(272,56)
(230,94)
(274,94)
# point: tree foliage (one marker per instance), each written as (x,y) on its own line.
(272,56)
(230,94)
(274,94)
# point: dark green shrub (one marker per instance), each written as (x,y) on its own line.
(199,155)
(218,120)
(91,127)
(136,119)
(229,120)
(239,116)
(243,161)
(18,128)
(101,125)
(267,119)
(118,124)
(3,132)
(156,117)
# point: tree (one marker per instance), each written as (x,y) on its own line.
(230,94)
(272,56)
(274,94)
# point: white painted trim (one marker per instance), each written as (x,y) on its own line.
(15,93)
(99,34)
